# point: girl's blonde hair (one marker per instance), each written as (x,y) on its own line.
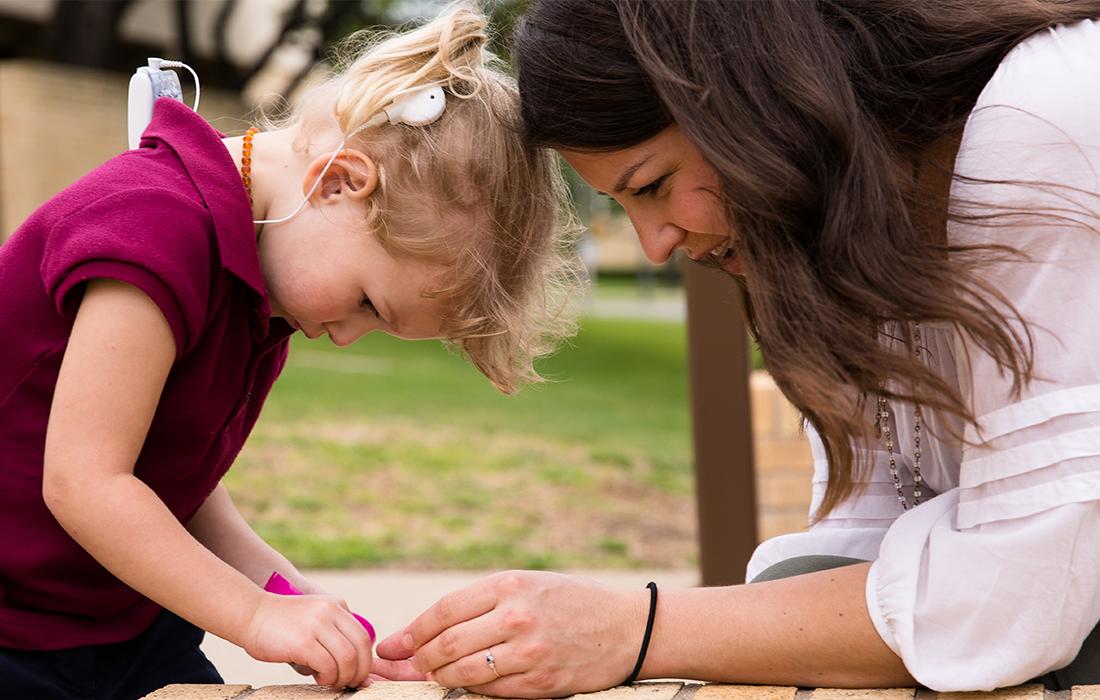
(466,191)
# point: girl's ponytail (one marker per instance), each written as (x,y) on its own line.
(448,51)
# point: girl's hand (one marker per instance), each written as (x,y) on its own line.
(551,635)
(316,632)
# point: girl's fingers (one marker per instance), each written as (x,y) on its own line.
(461,640)
(474,669)
(322,662)
(464,604)
(344,653)
(360,641)
(363,647)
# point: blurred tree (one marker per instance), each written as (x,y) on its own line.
(89,33)
(86,33)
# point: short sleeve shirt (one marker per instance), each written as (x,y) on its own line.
(171,218)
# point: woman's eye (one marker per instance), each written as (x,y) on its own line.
(367,304)
(651,188)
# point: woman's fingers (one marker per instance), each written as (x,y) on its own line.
(541,628)
(394,648)
(475,670)
(401,670)
(456,607)
(464,639)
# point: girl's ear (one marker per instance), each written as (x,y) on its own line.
(352,174)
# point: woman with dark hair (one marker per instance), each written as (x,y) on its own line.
(909,193)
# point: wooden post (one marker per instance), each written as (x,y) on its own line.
(725,484)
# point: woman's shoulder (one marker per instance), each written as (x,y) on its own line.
(1038,119)
(1053,75)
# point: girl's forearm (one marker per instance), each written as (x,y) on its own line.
(128,529)
(812,630)
(223,530)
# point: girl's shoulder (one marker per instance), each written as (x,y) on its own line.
(181,163)
(145,185)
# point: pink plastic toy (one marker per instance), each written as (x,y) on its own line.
(278,584)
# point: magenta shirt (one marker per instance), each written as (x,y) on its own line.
(173,219)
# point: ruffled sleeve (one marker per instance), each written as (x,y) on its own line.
(854,528)
(994,582)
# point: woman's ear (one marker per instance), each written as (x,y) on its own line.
(352,174)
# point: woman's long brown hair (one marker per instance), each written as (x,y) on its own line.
(809,111)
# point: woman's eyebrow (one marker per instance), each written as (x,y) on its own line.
(620,184)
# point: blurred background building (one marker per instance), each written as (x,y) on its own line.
(64,67)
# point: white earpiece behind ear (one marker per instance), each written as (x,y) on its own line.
(418,108)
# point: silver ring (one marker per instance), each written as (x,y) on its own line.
(491,661)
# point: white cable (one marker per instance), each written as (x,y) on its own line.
(309,194)
(418,107)
(198,88)
(373,121)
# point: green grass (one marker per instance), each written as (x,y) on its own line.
(632,286)
(620,383)
(393,452)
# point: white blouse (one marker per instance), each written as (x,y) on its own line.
(995,578)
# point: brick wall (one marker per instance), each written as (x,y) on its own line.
(58,122)
(783,462)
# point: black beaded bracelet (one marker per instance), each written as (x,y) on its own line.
(648,632)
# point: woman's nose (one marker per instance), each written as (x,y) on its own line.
(659,241)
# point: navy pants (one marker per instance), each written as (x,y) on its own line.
(1084,670)
(167,652)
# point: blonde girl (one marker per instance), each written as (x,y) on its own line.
(147,311)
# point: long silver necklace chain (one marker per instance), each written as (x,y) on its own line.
(883,430)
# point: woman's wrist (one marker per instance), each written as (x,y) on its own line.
(680,615)
(632,627)
(651,611)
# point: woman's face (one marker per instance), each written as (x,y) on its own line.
(670,194)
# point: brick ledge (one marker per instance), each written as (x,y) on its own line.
(642,691)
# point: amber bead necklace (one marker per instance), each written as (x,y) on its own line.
(246,160)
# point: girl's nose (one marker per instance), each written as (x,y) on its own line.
(345,334)
(660,241)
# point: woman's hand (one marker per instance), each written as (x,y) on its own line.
(314,632)
(550,635)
